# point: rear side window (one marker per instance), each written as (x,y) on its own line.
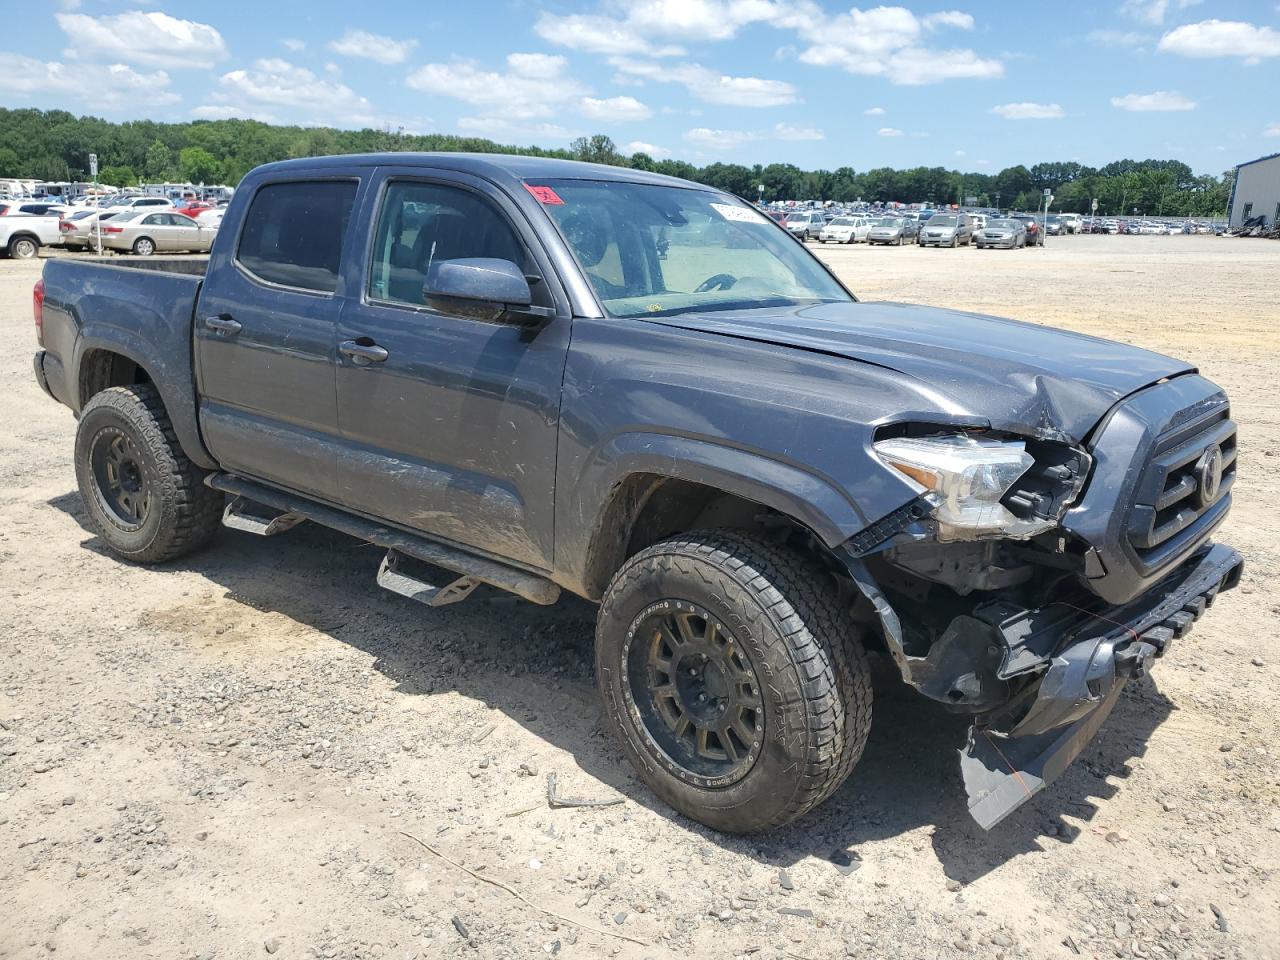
(293,233)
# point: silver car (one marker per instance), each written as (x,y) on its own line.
(145,232)
(79,229)
(1009,234)
(946,230)
(893,230)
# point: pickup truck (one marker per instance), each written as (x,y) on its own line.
(22,236)
(542,376)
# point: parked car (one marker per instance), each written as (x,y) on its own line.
(145,231)
(1035,236)
(1007,233)
(31,208)
(845,230)
(756,476)
(805,225)
(119,203)
(22,236)
(946,230)
(79,229)
(1072,222)
(1055,226)
(977,221)
(891,230)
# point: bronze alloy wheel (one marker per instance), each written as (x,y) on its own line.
(694,692)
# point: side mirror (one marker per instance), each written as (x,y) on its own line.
(483,288)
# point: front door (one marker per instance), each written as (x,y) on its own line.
(265,329)
(451,427)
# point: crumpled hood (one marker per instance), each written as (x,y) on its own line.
(1019,376)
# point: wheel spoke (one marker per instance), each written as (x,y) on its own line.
(682,726)
(747,733)
(687,635)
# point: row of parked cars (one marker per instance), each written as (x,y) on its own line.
(139,225)
(938,230)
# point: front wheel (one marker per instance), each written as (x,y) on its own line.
(143,496)
(144,247)
(734,677)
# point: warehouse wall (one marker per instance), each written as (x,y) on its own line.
(1257,184)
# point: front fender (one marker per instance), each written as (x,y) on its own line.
(804,496)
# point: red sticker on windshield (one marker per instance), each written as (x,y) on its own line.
(544,194)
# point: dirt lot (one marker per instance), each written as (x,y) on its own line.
(222,758)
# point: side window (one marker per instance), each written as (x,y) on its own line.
(293,233)
(155,220)
(423,223)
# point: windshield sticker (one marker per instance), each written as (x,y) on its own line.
(731,211)
(544,194)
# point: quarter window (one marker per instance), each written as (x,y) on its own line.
(293,233)
(425,223)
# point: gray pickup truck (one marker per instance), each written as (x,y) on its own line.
(539,376)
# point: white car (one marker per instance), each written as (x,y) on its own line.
(845,230)
(117,204)
(22,235)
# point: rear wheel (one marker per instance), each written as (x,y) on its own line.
(143,496)
(23,248)
(734,678)
(144,246)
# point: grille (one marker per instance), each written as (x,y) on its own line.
(1176,504)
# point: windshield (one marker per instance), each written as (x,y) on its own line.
(888,222)
(942,221)
(841,222)
(798,218)
(650,249)
(1003,224)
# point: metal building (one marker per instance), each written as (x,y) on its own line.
(1256,192)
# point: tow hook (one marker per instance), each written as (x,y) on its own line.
(1134,661)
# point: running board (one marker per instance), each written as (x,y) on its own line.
(239,516)
(392,577)
(531,586)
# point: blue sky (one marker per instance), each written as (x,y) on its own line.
(969,85)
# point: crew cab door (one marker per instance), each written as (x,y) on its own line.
(265,332)
(449,422)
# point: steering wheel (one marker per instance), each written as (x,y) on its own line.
(721,281)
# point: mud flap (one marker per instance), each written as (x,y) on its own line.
(1002,773)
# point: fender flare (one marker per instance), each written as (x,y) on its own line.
(177,389)
(806,497)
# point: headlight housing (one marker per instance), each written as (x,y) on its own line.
(965,477)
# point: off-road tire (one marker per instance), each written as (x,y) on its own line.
(785,613)
(182,513)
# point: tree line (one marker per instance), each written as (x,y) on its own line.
(55,145)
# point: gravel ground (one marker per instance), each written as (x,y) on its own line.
(258,752)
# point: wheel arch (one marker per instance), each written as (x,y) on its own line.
(23,235)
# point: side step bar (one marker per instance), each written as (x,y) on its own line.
(392,577)
(239,515)
(467,565)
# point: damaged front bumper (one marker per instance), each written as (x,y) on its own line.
(1007,762)
(1042,681)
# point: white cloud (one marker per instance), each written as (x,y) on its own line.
(889,132)
(294,44)
(534,85)
(961,153)
(151,39)
(1119,38)
(709,85)
(948,18)
(113,86)
(1222,38)
(785,131)
(273,82)
(1029,111)
(595,34)
(510,129)
(614,109)
(1161,100)
(1153,11)
(639,146)
(223,111)
(873,112)
(1271,130)
(372,46)
(888,42)
(718,139)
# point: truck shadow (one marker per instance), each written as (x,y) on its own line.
(535,665)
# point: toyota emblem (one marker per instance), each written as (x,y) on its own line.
(1208,475)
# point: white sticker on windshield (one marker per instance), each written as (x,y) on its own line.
(731,211)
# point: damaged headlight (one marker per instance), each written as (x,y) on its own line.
(965,477)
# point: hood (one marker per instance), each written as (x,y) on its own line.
(1020,377)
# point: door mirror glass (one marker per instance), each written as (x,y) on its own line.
(482,287)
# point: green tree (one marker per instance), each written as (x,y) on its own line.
(158,163)
(118,177)
(596,149)
(199,165)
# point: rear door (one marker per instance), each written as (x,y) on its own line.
(265,330)
(453,431)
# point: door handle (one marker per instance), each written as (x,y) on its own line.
(363,353)
(223,325)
